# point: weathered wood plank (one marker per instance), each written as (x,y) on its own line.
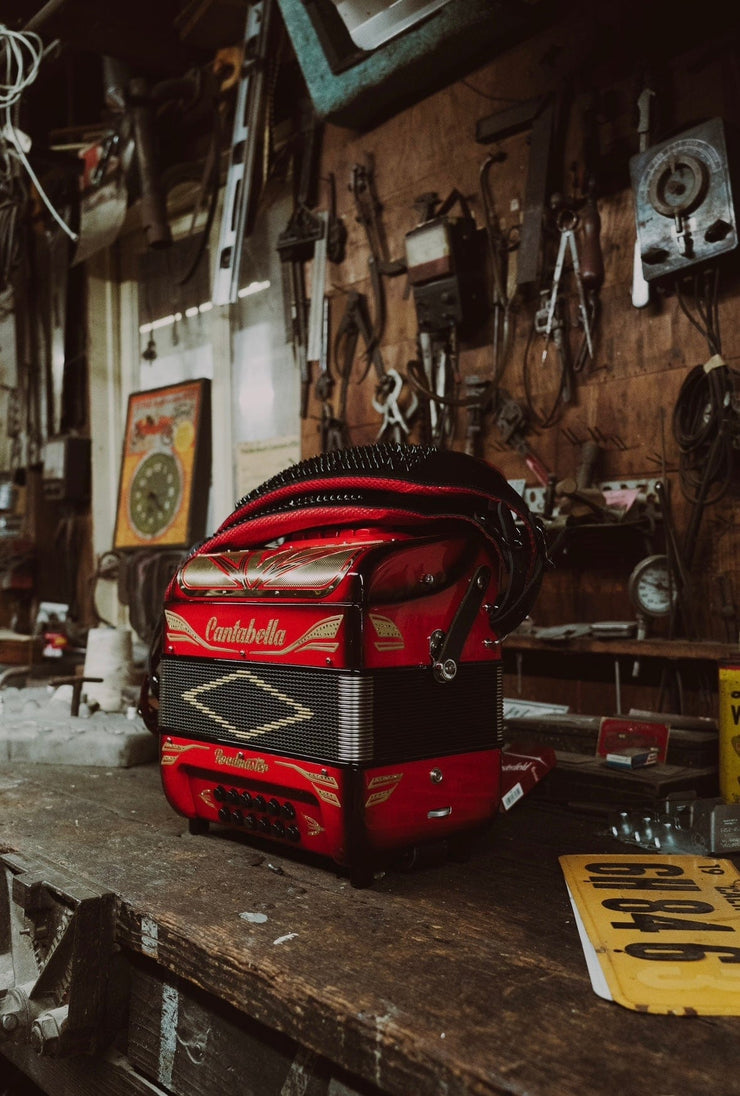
(195,1045)
(457,979)
(110,1074)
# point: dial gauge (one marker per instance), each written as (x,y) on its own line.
(155,494)
(678,184)
(651,587)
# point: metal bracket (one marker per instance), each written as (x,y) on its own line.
(446,649)
(56,946)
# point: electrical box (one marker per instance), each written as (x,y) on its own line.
(445,265)
(683,200)
(66,475)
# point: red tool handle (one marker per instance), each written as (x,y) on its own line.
(537,468)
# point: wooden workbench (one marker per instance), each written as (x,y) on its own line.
(454,979)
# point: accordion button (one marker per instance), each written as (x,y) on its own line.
(293,833)
(278,828)
(224,814)
(246,799)
(259,802)
(288,810)
(273,806)
(237,817)
(263,825)
(219,793)
(250,822)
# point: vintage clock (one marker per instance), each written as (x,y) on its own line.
(165,468)
(156,493)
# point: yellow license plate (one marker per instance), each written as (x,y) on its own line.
(660,933)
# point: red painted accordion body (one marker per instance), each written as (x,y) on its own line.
(298,699)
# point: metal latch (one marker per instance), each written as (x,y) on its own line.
(56,947)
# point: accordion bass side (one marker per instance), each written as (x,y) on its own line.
(338,690)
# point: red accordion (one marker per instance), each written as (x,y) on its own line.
(329,675)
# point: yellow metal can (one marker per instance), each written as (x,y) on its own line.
(729,731)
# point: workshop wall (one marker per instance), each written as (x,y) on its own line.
(624,398)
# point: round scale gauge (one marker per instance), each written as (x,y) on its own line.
(651,587)
(677,178)
(677,183)
(155,494)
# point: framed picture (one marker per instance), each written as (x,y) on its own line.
(165,467)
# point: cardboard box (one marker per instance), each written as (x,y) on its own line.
(523,766)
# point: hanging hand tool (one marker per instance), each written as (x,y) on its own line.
(332,428)
(592,272)
(592,260)
(324,382)
(355,324)
(478,393)
(395,426)
(294,289)
(542,118)
(336,233)
(437,360)
(498,249)
(297,244)
(567,222)
(512,423)
(369,209)
(445,261)
(549,321)
(640,286)
(318,289)
(247,129)
(334,432)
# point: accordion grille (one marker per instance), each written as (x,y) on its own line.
(398,714)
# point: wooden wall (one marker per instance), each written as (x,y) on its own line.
(625,397)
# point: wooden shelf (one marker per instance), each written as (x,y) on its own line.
(670,649)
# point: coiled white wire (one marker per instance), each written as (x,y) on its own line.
(21,53)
